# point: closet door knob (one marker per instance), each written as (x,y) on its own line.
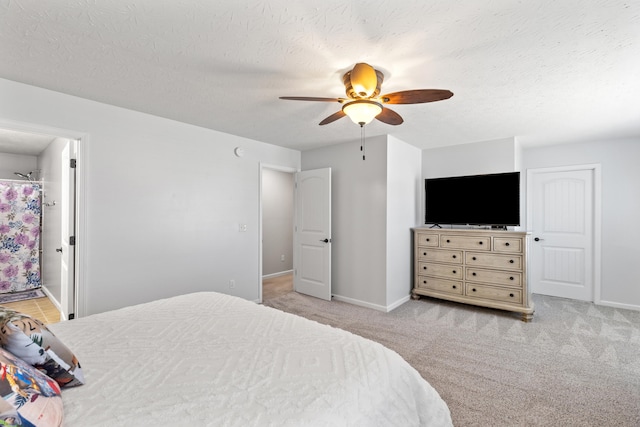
(59,250)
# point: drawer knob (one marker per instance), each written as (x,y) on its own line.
(454,272)
(424,268)
(474,258)
(511,278)
(511,295)
(474,289)
(427,239)
(510,261)
(424,254)
(479,243)
(424,281)
(448,241)
(473,274)
(454,257)
(506,244)
(454,286)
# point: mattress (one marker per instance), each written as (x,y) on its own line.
(208,359)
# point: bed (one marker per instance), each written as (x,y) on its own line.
(207,359)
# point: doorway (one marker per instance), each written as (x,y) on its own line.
(276,233)
(563,216)
(65,293)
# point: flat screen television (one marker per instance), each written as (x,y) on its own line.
(492,199)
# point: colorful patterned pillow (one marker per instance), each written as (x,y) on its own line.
(29,398)
(30,340)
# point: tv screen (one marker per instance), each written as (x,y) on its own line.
(492,199)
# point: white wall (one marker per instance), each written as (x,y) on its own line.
(470,159)
(374,207)
(403,212)
(164,199)
(359,208)
(10,163)
(277,221)
(620,209)
(50,165)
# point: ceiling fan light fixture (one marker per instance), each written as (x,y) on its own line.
(362,111)
(364,79)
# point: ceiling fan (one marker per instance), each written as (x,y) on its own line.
(364,102)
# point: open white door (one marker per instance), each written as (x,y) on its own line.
(312,234)
(67,259)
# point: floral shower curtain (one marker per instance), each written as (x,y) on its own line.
(19,236)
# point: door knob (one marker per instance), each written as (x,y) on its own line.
(537,239)
(324,240)
(59,250)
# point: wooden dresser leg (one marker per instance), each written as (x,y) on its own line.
(414,295)
(527,317)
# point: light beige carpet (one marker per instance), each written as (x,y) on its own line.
(576,364)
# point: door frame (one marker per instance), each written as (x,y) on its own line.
(279,168)
(82,138)
(595,168)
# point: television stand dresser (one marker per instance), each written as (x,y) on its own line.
(482,267)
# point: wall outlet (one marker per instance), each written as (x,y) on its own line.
(232,284)
(282,258)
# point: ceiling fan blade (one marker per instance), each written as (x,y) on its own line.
(417,96)
(332,118)
(310,98)
(389,117)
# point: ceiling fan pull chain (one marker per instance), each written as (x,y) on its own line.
(362,140)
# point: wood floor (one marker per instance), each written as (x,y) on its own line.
(275,286)
(38,308)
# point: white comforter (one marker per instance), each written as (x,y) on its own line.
(208,359)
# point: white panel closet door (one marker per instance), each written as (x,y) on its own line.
(562,225)
(312,235)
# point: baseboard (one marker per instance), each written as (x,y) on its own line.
(281,273)
(377,307)
(52,298)
(619,305)
(398,303)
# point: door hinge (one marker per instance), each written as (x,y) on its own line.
(72,163)
(72,241)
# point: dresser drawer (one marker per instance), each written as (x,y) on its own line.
(494,293)
(508,278)
(440,285)
(439,255)
(511,262)
(440,270)
(508,244)
(476,243)
(428,239)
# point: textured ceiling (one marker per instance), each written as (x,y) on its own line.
(543,71)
